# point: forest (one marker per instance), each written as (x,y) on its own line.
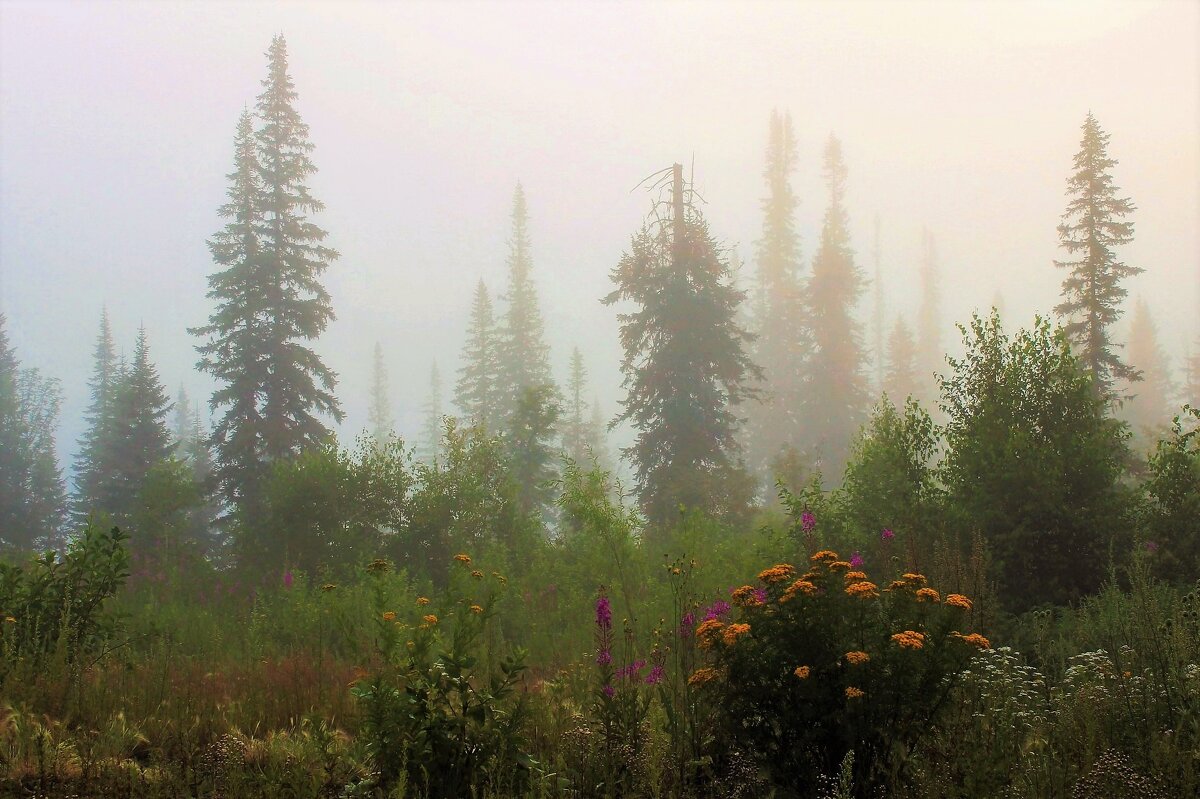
(819,548)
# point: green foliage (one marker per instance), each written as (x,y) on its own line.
(477,392)
(1033,462)
(531,453)
(1171,513)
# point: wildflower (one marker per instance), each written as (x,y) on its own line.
(808,521)
(463,559)
(708,630)
(802,672)
(896,585)
(287,579)
(702,676)
(746,596)
(839,565)
(422,600)
(798,587)
(852,577)
(685,624)
(1152,546)
(500,577)
(824,554)
(603,657)
(478,575)
(857,658)
(378,566)
(603,613)
(389,616)
(916,579)
(430,619)
(777,573)
(856,560)
(655,676)
(717,610)
(887,534)
(10,620)
(609,691)
(973,639)
(854,693)
(328,587)
(909,639)
(760,596)
(958,601)
(928,595)
(863,590)
(476,609)
(733,632)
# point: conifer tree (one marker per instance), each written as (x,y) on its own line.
(181,423)
(269,298)
(14,461)
(930,355)
(685,364)
(838,397)
(478,390)
(575,428)
(143,440)
(523,358)
(597,437)
(531,451)
(431,430)
(93,465)
(1150,406)
(784,339)
(1091,227)
(379,415)
(900,380)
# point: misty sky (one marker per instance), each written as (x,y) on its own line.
(117,121)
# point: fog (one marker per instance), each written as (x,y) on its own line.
(117,121)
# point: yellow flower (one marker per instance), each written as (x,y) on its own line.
(863,590)
(857,658)
(839,565)
(389,616)
(476,609)
(702,676)
(958,601)
(430,619)
(328,587)
(500,577)
(464,559)
(802,672)
(909,639)
(973,639)
(733,632)
(745,596)
(798,587)
(854,693)
(896,585)
(707,631)
(422,600)
(928,595)
(777,573)
(824,554)
(478,575)
(914,578)
(852,577)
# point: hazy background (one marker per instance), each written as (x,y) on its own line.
(117,121)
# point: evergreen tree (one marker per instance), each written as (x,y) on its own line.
(900,381)
(575,428)
(838,397)
(269,298)
(531,451)
(685,364)
(1091,227)
(431,431)
(181,423)
(930,354)
(1150,408)
(597,437)
(477,393)
(93,466)
(523,358)
(379,415)
(784,339)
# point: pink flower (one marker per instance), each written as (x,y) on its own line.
(808,521)
(287,579)
(655,676)
(1152,546)
(856,559)
(609,691)
(887,534)
(603,613)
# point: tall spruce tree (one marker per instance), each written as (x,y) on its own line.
(838,397)
(431,429)
(1150,405)
(1093,224)
(784,338)
(532,455)
(685,364)
(575,427)
(478,390)
(14,460)
(900,380)
(597,437)
(269,298)
(930,354)
(93,465)
(181,423)
(523,358)
(379,414)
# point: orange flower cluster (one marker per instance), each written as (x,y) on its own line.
(958,601)
(852,577)
(702,676)
(802,672)
(777,573)
(974,639)
(839,565)
(478,575)
(863,590)
(823,555)
(896,585)
(915,579)
(462,558)
(798,587)
(476,609)
(857,658)
(706,633)
(909,639)
(430,619)
(928,595)
(389,616)
(422,600)
(746,596)
(854,693)
(733,632)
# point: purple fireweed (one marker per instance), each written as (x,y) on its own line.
(603,613)
(604,658)
(287,579)
(609,691)
(1151,546)
(716,610)
(856,560)
(655,676)
(808,521)
(887,534)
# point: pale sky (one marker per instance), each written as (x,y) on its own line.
(117,120)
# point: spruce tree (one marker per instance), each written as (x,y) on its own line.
(575,428)
(143,440)
(269,298)
(478,390)
(1150,406)
(900,380)
(597,437)
(784,339)
(685,364)
(181,423)
(532,455)
(93,465)
(838,396)
(431,430)
(379,415)
(1093,224)
(523,358)
(16,533)
(930,354)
